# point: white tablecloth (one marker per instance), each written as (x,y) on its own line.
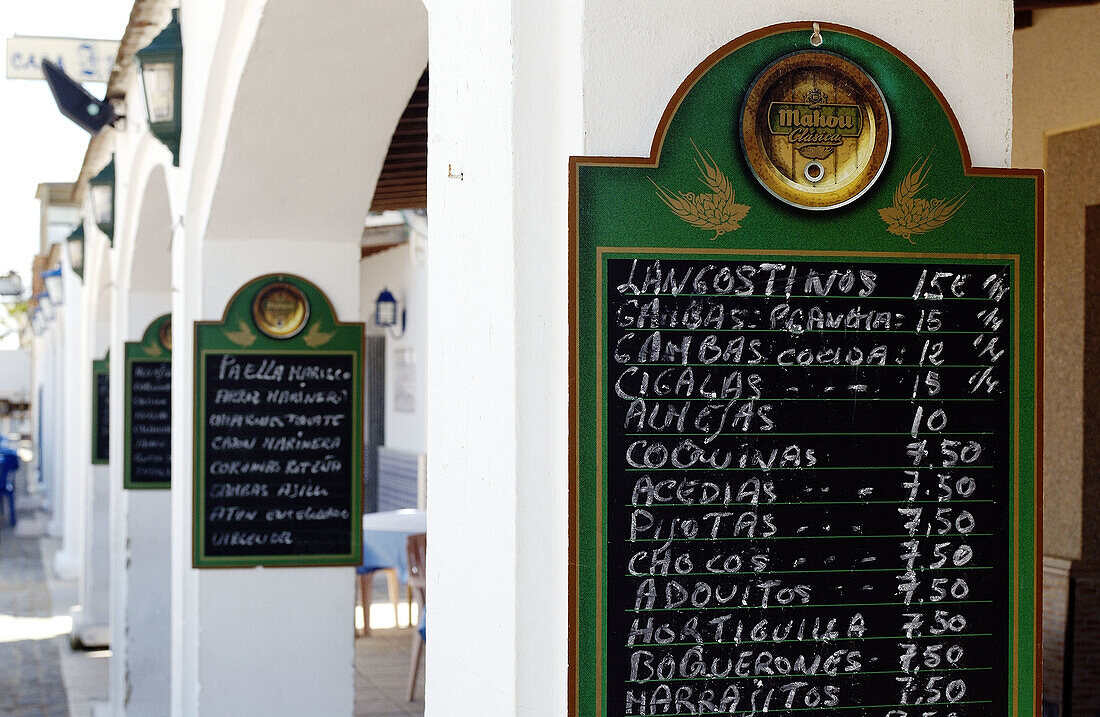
(384,537)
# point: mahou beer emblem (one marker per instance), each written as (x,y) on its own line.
(815,129)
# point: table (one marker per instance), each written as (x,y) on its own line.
(384,538)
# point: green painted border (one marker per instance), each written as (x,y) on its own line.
(99,367)
(148,350)
(213,337)
(613,208)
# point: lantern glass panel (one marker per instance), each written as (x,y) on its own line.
(387,313)
(158,78)
(103,203)
(76,255)
(53,289)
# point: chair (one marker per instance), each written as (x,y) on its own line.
(366,592)
(417,547)
(9,464)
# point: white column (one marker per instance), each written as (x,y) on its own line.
(75,422)
(91,622)
(254,641)
(91,618)
(140,519)
(506,117)
(54,426)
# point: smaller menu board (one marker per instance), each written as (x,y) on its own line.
(278,431)
(148,430)
(101,410)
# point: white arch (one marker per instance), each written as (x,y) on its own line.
(143,237)
(98,283)
(312,132)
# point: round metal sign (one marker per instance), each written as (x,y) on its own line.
(280,310)
(815,129)
(164,335)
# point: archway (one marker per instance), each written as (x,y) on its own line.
(282,170)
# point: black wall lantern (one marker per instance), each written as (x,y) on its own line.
(75,244)
(162,79)
(102,187)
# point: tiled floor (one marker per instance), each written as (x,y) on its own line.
(85,671)
(382,662)
(382,675)
(32,599)
(30,633)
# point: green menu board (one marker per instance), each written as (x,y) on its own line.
(278,430)
(147,432)
(805,399)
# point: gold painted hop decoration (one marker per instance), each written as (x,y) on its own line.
(716,211)
(243,337)
(315,337)
(911,214)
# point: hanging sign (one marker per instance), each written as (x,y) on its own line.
(805,400)
(82,60)
(147,456)
(278,430)
(101,410)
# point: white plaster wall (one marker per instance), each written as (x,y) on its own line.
(140,594)
(966,48)
(507,117)
(91,622)
(91,618)
(214,59)
(140,587)
(408,281)
(286,633)
(550,80)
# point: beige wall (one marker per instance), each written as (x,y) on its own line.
(1073,182)
(1056,89)
(1056,78)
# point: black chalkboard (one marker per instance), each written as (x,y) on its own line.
(278,431)
(101,411)
(809,483)
(278,454)
(149,425)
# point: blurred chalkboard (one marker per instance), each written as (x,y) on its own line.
(148,422)
(101,410)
